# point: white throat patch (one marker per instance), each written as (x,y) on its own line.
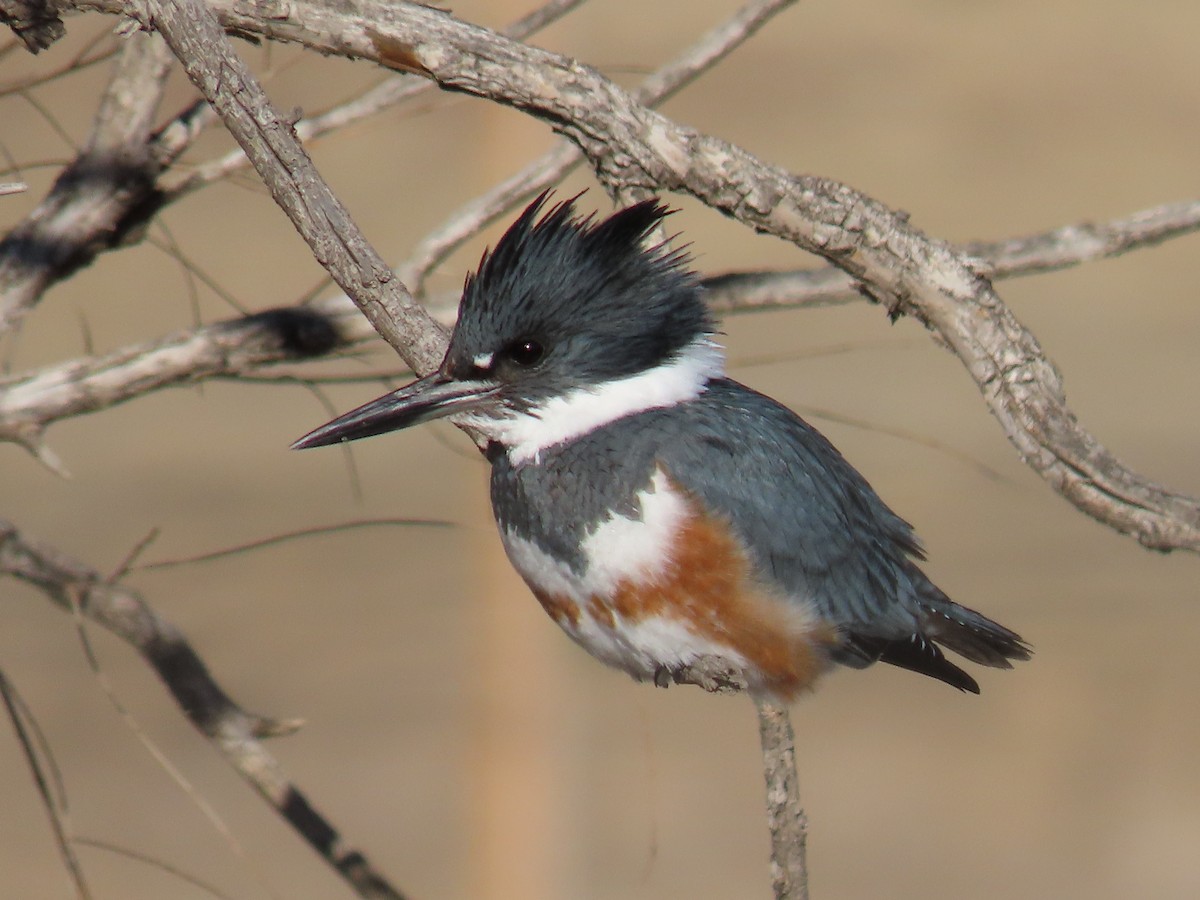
(561,419)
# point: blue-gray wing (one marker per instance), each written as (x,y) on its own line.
(812,524)
(815,529)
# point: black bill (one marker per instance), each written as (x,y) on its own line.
(432,397)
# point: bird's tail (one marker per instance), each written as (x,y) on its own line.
(968,633)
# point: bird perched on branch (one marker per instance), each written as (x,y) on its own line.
(661,512)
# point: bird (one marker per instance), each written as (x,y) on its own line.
(661,512)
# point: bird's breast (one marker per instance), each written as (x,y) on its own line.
(662,589)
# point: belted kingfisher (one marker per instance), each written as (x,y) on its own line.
(660,511)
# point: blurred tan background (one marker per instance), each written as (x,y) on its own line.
(453,733)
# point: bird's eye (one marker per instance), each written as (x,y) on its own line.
(525,352)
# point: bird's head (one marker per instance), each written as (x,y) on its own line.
(568,323)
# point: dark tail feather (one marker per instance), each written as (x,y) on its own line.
(917,655)
(966,632)
(971,634)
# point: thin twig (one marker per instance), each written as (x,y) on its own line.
(285,537)
(17,714)
(128,853)
(237,734)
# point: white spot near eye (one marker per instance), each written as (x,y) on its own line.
(484,361)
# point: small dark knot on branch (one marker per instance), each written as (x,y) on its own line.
(301,333)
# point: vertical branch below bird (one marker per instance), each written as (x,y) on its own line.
(785,816)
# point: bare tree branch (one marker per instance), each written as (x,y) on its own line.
(785,817)
(104,194)
(395,90)
(236,734)
(1047,251)
(32,401)
(1072,245)
(191,31)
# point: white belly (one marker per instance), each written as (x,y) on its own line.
(620,552)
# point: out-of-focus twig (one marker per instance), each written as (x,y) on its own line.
(237,734)
(35,758)
(106,193)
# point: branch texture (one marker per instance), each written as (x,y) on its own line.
(270,143)
(102,198)
(785,816)
(1047,251)
(31,402)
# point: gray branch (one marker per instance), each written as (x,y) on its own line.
(237,734)
(270,143)
(106,194)
(1048,251)
(32,401)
